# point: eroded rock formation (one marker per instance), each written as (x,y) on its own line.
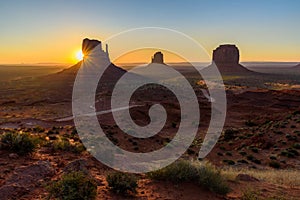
(158,57)
(226,55)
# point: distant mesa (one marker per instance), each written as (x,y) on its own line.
(226,57)
(297,66)
(158,57)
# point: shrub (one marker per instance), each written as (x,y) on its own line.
(254,150)
(230,134)
(63,144)
(274,164)
(242,161)
(74,186)
(296,145)
(229,162)
(20,143)
(228,153)
(250,195)
(122,183)
(250,123)
(273,157)
(203,174)
(179,171)
(212,179)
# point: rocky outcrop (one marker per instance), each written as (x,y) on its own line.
(25,179)
(88,45)
(226,58)
(226,55)
(158,57)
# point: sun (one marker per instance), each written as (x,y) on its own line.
(79,55)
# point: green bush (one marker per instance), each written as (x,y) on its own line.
(74,186)
(20,143)
(122,183)
(203,174)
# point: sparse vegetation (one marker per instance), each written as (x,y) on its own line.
(63,144)
(203,174)
(274,164)
(74,186)
(122,183)
(20,143)
(230,134)
(250,123)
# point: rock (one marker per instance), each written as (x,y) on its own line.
(76,165)
(25,179)
(226,59)
(158,58)
(88,45)
(246,177)
(13,156)
(226,54)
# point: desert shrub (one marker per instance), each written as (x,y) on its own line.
(297,112)
(122,183)
(228,153)
(250,157)
(222,148)
(274,164)
(38,129)
(212,179)
(250,195)
(273,157)
(290,153)
(250,123)
(74,186)
(230,134)
(296,145)
(254,149)
(63,144)
(179,171)
(243,153)
(242,161)
(256,161)
(229,162)
(203,174)
(20,143)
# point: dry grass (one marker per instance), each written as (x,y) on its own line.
(283,177)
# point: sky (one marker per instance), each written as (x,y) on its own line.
(52,31)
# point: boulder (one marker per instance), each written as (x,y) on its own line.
(25,179)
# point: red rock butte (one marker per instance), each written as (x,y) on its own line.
(158,58)
(226,57)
